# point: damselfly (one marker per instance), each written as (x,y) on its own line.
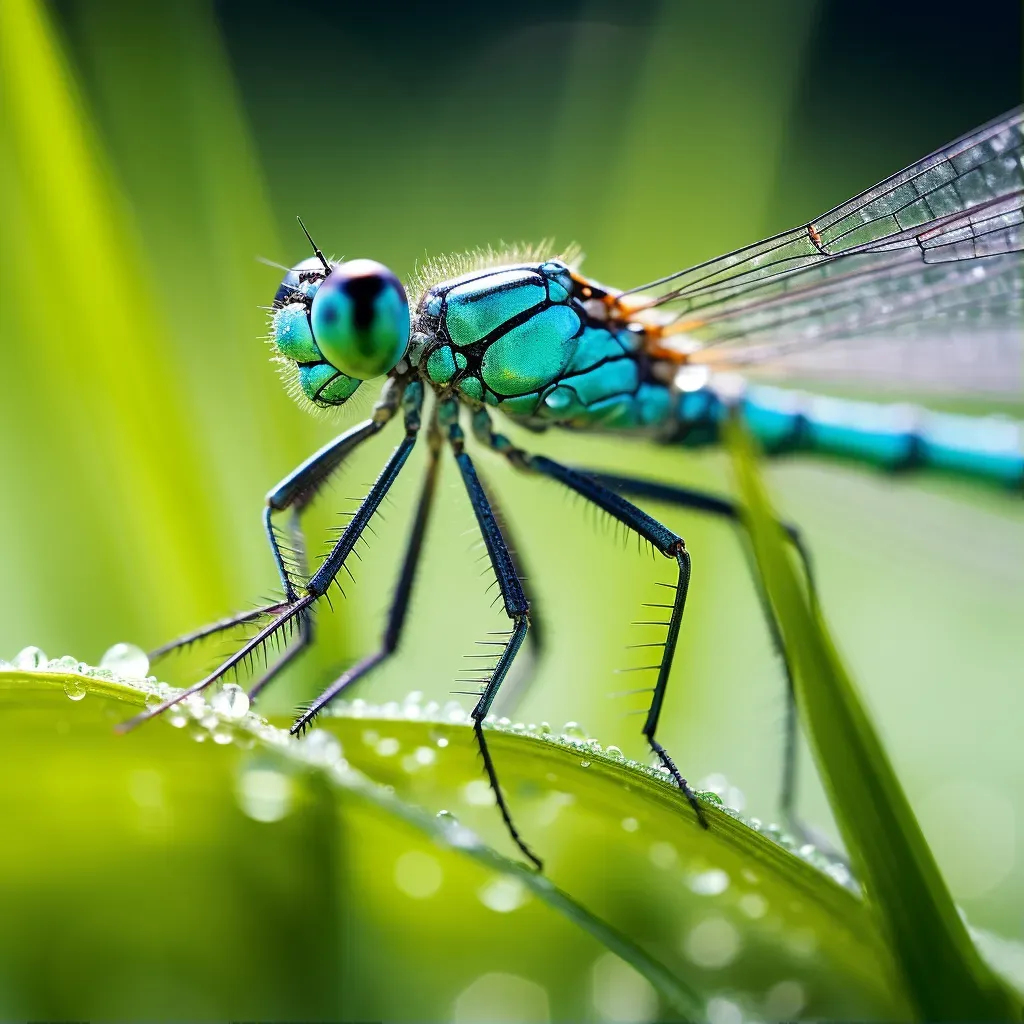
(917,281)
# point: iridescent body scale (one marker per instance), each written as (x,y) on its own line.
(914,284)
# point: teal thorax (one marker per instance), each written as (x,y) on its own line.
(521,339)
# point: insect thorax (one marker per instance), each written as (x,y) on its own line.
(529,340)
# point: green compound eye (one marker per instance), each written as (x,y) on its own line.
(360,319)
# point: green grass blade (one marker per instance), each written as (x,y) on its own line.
(942,971)
(92,330)
(698,915)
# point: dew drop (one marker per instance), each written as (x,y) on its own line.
(127,661)
(222,735)
(447,817)
(231,701)
(388,746)
(573,731)
(840,873)
(544,729)
(178,719)
(425,755)
(67,664)
(74,690)
(630,824)
(584,764)
(614,753)
(462,837)
(442,741)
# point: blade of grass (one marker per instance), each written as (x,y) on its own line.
(944,974)
(100,342)
(29,689)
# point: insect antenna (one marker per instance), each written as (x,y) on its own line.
(319,255)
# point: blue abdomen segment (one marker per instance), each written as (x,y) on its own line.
(895,437)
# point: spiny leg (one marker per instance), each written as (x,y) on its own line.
(400,600)
(635,519)
(518,681)
(700,501)
(213,628)
(517,608)
(321,580)
(295,492)
(293,649)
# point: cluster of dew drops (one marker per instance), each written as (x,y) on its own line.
(129,665)
(228,708)
(575,738)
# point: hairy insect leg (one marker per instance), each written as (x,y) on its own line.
(295,492)
(700,501)
(517,608)
(664,540)
(412,400)
(520,678)
(399,602)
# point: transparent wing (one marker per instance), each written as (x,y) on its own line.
(917,281)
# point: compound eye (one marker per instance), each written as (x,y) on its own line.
(302,279)
(360,319)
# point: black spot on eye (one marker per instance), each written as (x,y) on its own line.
(363,291)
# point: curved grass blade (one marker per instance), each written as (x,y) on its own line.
(444,832)
(697,914)
(943,973)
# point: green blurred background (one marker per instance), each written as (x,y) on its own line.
(167,146)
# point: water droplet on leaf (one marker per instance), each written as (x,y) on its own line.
(231,701)
(127,661)
(73,690)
